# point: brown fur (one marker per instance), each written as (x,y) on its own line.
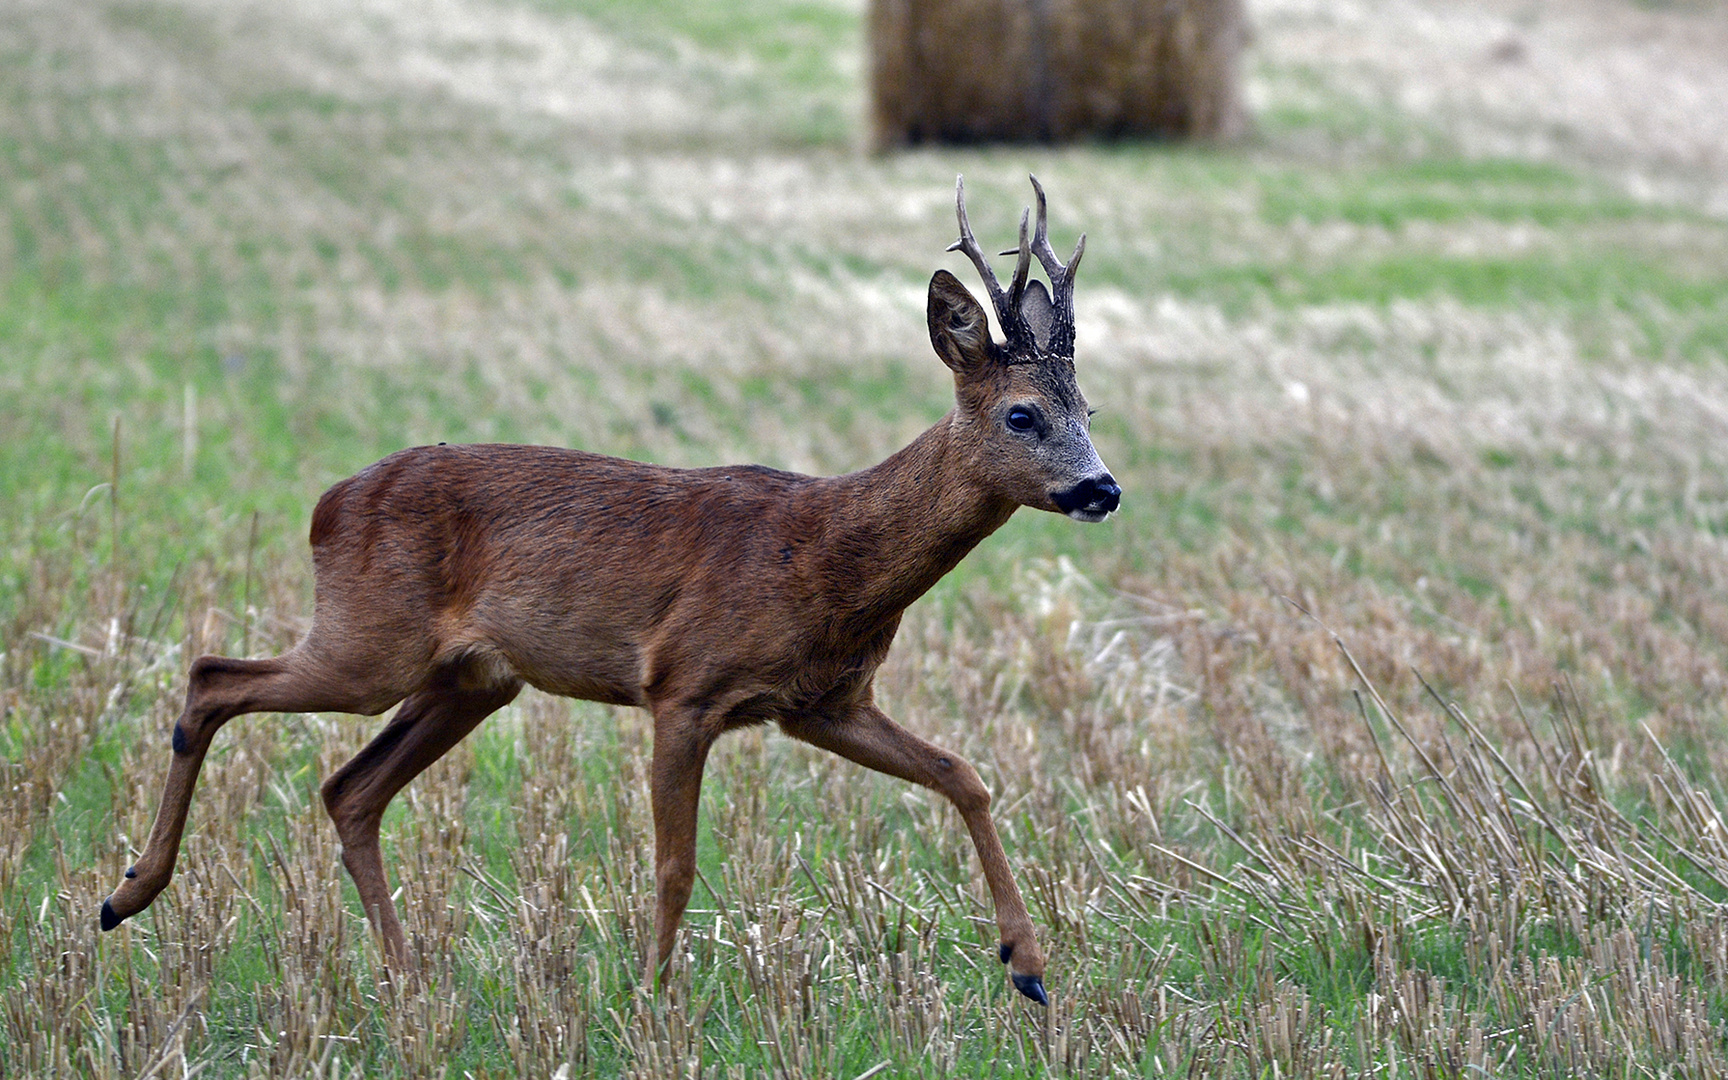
(449,576)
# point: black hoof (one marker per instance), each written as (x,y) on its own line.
(1033,987)
(111,920)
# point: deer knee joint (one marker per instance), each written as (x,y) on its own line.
(178,740)
(343,804)
(674,879)
(959,781)
(356,831)
(675,873)
(974,798)
(331,792)
(207,671)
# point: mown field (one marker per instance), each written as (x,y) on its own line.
(1381,733)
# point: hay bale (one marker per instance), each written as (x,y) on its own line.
(1051,70)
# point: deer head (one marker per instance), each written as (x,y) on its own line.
(1018,401)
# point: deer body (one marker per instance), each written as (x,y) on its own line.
(617,581)
(448,577)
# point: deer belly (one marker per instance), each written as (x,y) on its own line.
(594,666)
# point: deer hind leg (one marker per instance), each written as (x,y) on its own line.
(681,745)
(217,690)
(869,737)
(428,724)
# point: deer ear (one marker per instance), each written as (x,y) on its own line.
(958,326)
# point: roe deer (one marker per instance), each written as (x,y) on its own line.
(449,576)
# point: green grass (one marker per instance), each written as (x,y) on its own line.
(1456,191)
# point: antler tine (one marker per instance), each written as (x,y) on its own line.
(1041,242)
(1018,288)
(1061,277)
(968,244)
(1007,309)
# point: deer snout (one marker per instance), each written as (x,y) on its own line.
(1092,499)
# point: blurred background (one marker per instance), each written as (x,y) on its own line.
(1407,323)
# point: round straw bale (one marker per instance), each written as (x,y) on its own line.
(962,71)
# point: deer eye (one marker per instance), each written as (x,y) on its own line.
(1021,418)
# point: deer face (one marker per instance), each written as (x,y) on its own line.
(1043,422)
(1025,419)
(1018,401)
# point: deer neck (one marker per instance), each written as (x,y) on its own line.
(896,528)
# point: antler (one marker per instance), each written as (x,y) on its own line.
(1021,339)
(1007,304)
(1061,277)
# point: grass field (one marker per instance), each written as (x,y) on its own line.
(1382,733)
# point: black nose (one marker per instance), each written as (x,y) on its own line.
(1094,495)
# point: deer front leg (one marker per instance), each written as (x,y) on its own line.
(869,737)
(681,746)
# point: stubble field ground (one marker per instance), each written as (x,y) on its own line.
(1381,733)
